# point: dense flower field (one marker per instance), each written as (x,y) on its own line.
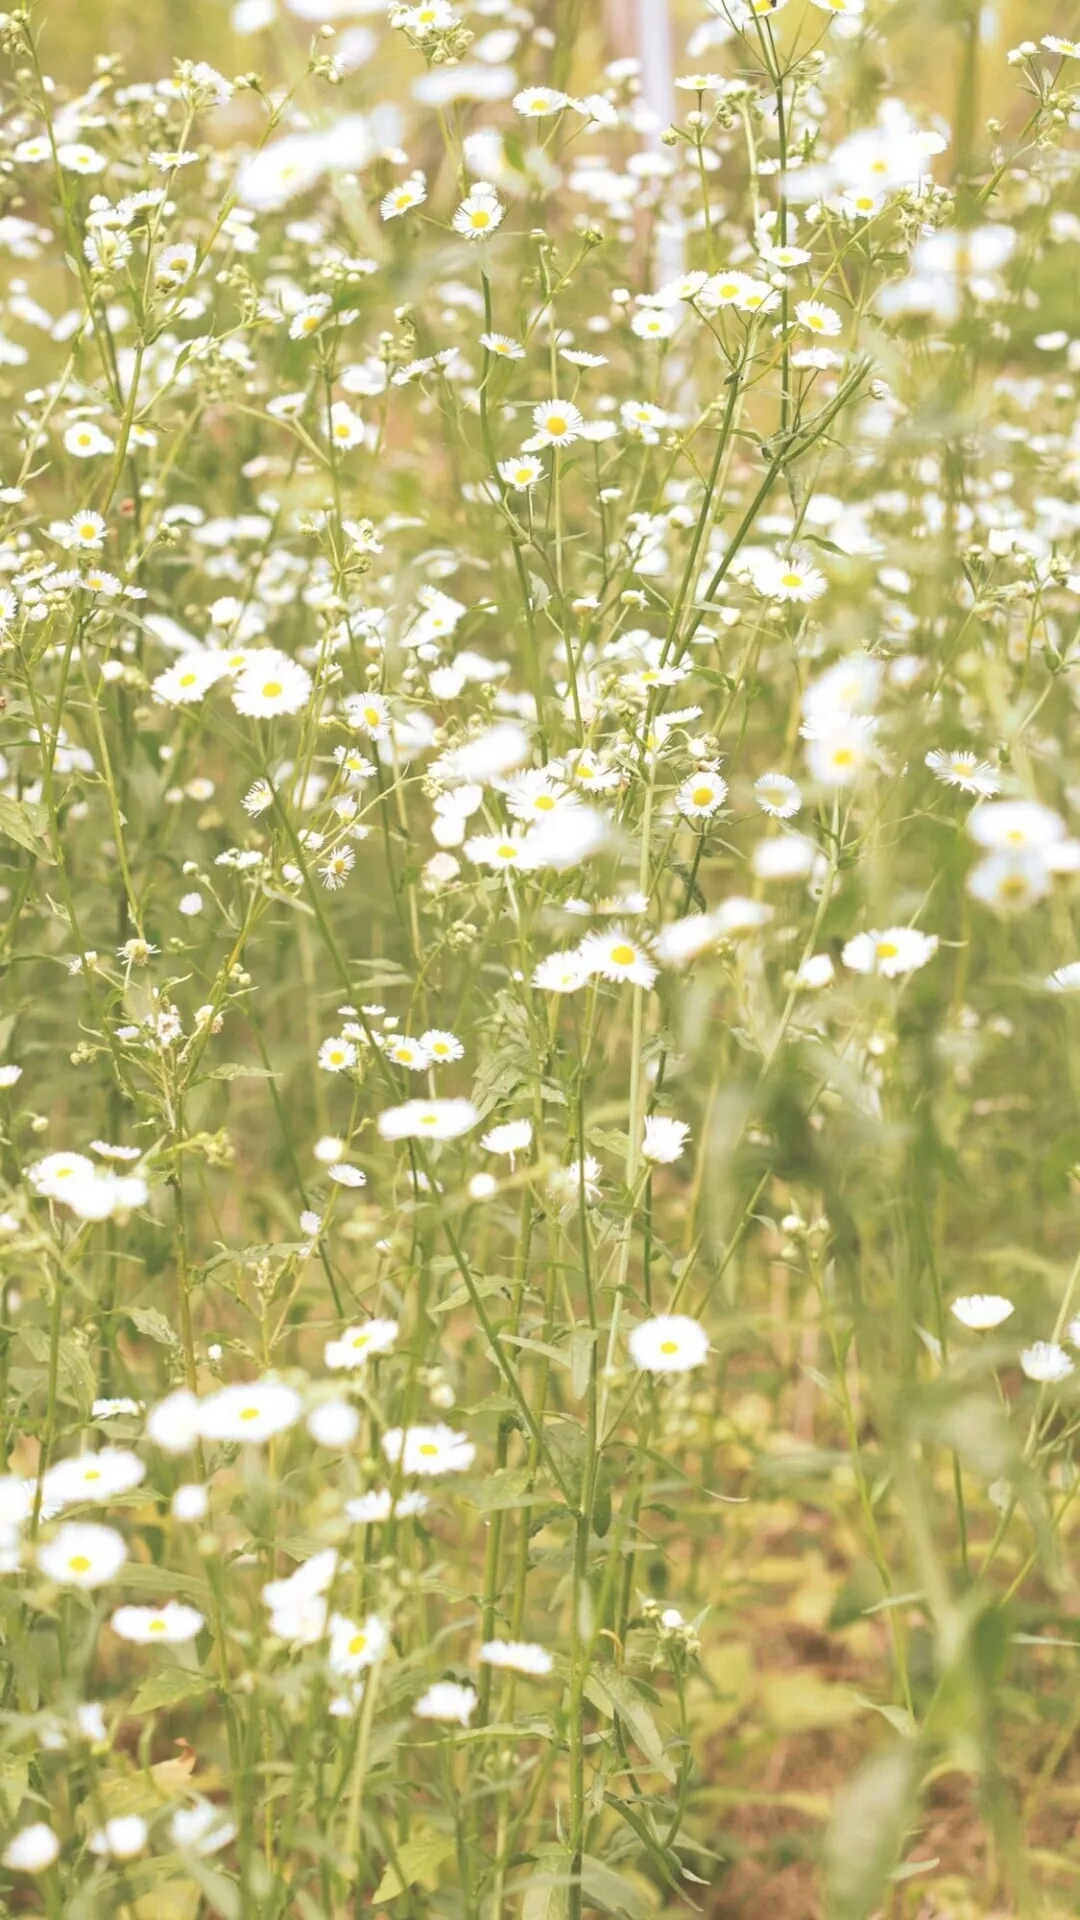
(539,1225)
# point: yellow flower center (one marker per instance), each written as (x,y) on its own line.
(249,1413)
(669,1346)
(271,689)
(358,1643)
(427,1448)
(887,949)
(157,1626)
(701,796)
(623,955)
(556,423)
(79,1563)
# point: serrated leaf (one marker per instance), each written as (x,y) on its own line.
(614,1693)
(419,1860)
(154,1325)
(27,823)
(166,1688)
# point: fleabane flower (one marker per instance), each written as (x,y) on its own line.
(1046,1362)
(429,1450)
(428,1120)
(91,1477)
(895,951)
(517,1656)
(981,1311)
(402,198)
(170,1625)
(32,1849)
(356,1345)
(82,1554)
(270,683)
(354,1644)
(479,214)
(249,1413)
(701,796)
(536,102)
(818,318)
(556,423)
(669,1343)
(964,770)
(447,1701)
(664,1139)
(616,956)
(777,795)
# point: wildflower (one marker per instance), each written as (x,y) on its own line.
(502,345)
(82,1554)
(190,1503)
(173,1425)
(121,1838)
(357,1344)
(343,1174)
(335,1424)
(981,1311)
(517,1656)
(522,473)
(701,796)
(75,157)
(428,1120)
(512,1137)
(402,198)
(32,1849)
(85,440)
(670,1343)
(93,1477)
(171,1624)
(298,1605)
(270,683)
(615,956)
(441,1047)
(561,972)
(354,1647)
(1065,979)
(776,794)
(964,770)
(818,318)
(578,1180)
(249,1413)
(429,1450)
(447,1701)
(898,950)
(536,102)
(557,423)
(337,1056)
(201,1829)
(664,1139)
(479,213)
(1046,1362)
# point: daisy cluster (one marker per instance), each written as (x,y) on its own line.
(539,650)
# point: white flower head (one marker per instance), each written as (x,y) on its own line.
(670,1343)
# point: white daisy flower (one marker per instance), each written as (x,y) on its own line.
(981,1311)
(664,1139)
(82,1554)
(171,1624)
(518,1656)
(447,1701)
(356,1345)
(249,1413)
(429,1450)
(669,1343)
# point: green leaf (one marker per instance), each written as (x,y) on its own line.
(221,1893)
(613,1892)
(870,1818)
(240,1070)
(154,1325)
(166,1688)
(613,1693)
(27,823)
(419,1860)
(547,1896)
